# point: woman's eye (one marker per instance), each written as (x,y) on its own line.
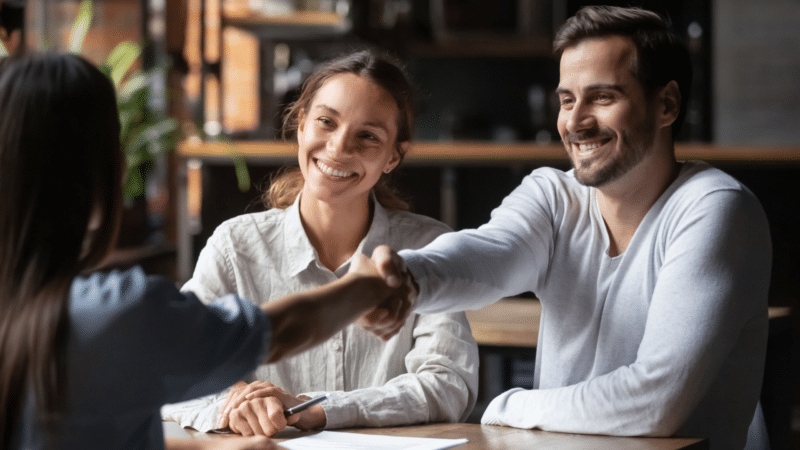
(324,121)
(370,137)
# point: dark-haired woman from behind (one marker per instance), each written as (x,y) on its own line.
(88,358)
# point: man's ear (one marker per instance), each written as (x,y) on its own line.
(669,103)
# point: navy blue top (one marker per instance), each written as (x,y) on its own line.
(135,343)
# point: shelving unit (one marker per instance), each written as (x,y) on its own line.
(303,24)
(269,30)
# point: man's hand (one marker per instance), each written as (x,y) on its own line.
(302,320)
(257,409)
(386,320)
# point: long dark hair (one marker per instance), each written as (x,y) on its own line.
(378,68)
(60,160)
(661,55)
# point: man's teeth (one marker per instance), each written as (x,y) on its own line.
(589,146)
(331,171)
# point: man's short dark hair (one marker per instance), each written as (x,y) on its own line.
(661,55)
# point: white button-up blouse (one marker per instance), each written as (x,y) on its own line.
(428,372)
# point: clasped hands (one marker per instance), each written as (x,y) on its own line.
(386,320)
(253,409)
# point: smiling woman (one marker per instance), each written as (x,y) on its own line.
(346,143)
(377,74)
(352,123)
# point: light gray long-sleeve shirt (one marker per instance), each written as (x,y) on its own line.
(428,372)
(665,339)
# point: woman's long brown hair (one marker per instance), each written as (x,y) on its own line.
(368,64)
(60,160)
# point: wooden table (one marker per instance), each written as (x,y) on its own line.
(484,437)
(510,322)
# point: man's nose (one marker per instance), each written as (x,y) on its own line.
(580,118)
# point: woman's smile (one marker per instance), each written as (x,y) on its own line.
(328,170)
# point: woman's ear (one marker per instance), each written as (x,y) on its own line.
(669,103)
(96,219)
(300,121)
(300,127)
(95,222)
(402,149)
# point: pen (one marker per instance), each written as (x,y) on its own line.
(303,406)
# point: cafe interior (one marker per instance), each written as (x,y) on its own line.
(204,84)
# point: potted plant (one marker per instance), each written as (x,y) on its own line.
(144,134)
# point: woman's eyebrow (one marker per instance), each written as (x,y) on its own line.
(379,125)
(327,108)
(334,112)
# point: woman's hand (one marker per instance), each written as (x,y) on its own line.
(303,320)
(387,319)
(257,409)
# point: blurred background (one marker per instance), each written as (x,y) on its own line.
(204,83)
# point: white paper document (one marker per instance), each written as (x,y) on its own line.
(335,440)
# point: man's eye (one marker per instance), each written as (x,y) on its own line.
(604,98)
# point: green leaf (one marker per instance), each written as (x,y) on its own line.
(138,81)
(127,120)
(240,166)
(242,175)
(134,183)
(81,26)
(154,135)
(132,109)
(121,59)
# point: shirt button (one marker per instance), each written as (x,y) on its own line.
(335,346)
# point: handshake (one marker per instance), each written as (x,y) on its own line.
(396,303)
(378,293)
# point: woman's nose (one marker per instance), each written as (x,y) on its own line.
(338,142)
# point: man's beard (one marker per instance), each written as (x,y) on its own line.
(632,154)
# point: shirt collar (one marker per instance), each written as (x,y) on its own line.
(378,233)
(300,252)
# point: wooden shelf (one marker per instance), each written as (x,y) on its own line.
(491,47)
(305,18)
(487,152)
(298,25)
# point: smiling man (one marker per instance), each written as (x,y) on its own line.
(652,273)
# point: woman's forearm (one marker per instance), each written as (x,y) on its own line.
(301,321)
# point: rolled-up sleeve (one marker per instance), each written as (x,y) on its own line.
(440,385)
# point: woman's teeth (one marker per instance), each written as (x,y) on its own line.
(331,171)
